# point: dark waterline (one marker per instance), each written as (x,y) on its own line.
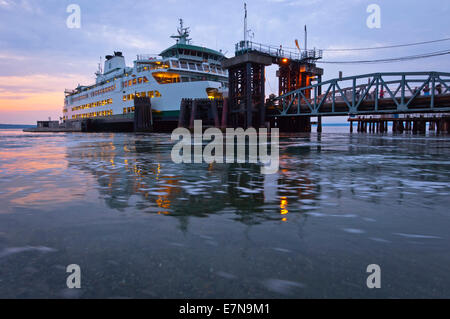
(141,226)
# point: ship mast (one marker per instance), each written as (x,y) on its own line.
(100,70)
(183,34)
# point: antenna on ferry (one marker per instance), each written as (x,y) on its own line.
(245,26)
(183,34)
(306,38)
(100,71)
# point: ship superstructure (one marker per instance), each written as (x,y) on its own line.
(181,71)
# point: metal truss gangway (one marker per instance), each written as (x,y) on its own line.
(369,94)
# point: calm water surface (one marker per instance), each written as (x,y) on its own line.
(141,226)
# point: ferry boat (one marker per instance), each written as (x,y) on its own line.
(181,71)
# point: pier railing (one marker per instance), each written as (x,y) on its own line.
(274,52)
(377,93)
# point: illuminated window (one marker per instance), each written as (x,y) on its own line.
(166,77)
(130,82)
(124,110)
(145,79)
(124,97)
(150,94)
(134,81)
(157,94)
(140,80)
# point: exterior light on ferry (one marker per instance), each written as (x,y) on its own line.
(285,60)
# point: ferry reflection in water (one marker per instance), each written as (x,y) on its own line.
(138,173)
(141,226)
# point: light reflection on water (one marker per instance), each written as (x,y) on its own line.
(118,204)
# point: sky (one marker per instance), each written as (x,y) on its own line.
(40,56)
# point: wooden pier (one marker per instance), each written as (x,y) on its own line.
(415,124)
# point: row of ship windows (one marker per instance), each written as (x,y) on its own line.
(192,53)
(187,66)
(127,110)
(92,115)
(198,67)
(79,98)
(160,66)
(91,105)
(150,94)
(103,91)
(135,81)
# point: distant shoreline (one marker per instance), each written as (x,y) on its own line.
(13,126)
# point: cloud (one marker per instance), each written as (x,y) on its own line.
(121,37)
(6,4)
(36,92)
(40,56)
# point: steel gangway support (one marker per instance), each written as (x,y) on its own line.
(376,93)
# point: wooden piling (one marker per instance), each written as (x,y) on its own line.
(193,114)
(143,120)
(319,124)
(401,127)
(183,111)
(224,114)
(215,113)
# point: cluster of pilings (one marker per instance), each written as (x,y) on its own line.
(415,124)
(143,115)
(246,77)
(212,112)
(370,125)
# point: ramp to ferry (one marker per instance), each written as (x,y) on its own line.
(369,94)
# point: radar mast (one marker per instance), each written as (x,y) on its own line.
(183,34)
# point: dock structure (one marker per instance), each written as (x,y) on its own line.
(247,107)
(377,99)
(416,124)
(210,111)
(370,94)
(141,120)
(246,76)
